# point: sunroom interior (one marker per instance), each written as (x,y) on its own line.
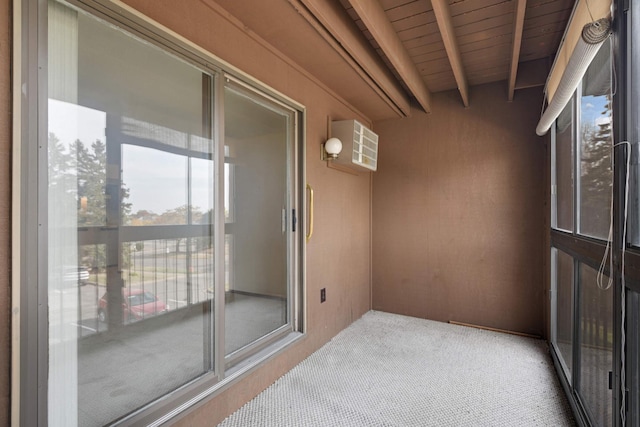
(176,238)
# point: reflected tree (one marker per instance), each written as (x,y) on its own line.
(61,166)
(92,180)
(82,173)
(177,216)
(596,176)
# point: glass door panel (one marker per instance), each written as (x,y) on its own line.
(130,191)
(258,139)
(595,177)
(133,237)
(562,332)
(596,345)
(562,218)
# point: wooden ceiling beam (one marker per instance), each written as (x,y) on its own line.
(518,26)
(375,19)
(443,18)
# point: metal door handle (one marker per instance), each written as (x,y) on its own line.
(310,233)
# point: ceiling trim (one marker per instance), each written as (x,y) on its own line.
(518,27)
(443,18)
(375,19)
(332,23)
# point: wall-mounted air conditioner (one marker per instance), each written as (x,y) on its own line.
(359,145)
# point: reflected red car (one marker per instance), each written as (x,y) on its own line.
(136,305)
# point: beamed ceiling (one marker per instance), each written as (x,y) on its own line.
(404,50)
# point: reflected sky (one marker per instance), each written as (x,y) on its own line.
(592,108)
(157,180)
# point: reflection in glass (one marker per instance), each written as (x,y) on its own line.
(596,346)
(157,195)
(564,169)
(229,255)
(229,190)
(257,133)
(596,176)
(130,307)
(563,334)
(201,177)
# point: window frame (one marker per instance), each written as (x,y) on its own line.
(29,234)
(568,371)
(626,283)
(554,170)
(585,250)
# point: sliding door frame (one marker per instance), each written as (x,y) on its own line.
(29,291)
(292,244)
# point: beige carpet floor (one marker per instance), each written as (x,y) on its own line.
(391,370)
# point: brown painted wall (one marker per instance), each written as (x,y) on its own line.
(462,240)
(338,256)
(5,209)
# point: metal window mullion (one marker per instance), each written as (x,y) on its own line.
(189,221)
(617,253)
(576,144)
(292,186)
(577,339)
(298,183)
(35,158)
(219,233)
(624,104)
(301,263)
(631,110)
(633,358)
(554,295)
(554,178)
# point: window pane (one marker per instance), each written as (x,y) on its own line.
(258,135)
(201,203)
(157,195)
(632,89)
(595,147)
(564,169)
(596,345)
(130,307)
(563,329)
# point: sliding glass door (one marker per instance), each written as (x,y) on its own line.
(259,223)
(170,240)
(129,243)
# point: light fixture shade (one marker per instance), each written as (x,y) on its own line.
(333,147)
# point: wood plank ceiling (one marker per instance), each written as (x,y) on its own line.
(380,55)
(455,43)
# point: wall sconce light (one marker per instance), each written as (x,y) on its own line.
(331,149)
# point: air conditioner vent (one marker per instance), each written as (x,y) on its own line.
(359,145)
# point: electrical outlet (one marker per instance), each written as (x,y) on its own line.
(323,295)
